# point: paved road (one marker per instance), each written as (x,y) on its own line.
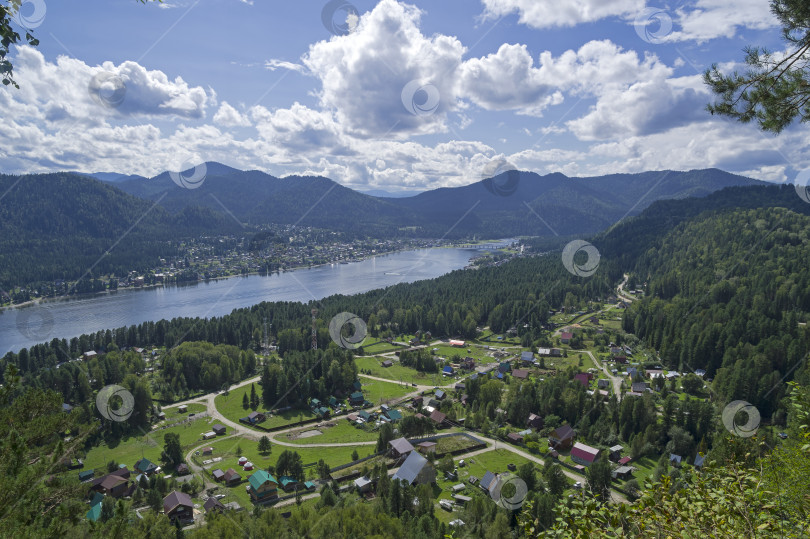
(620,290)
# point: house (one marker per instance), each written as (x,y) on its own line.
(460,386)
(256,417)
(534,421)
(90,354)
(468,363)
(287,483)
(448,371)
(674,459)
(700,372)
(218,429)
(515,438)
(309,485)
(182,408)
(161,416)
(86,475)
(248,466)
(459,488)
(616,452)
(639,387)
(438,418)
(416,470)
(562,437)
(363,484)
(387,363)
(584,454)
(66,407)
(625,460)
(440,395)
(622,472)
(208,451)
(620,359)
(615,350)
(400,447)
(527,358)
(504,366)
(114,484)
(178,506)
(213,504)
(94,513)
(182,469)
(566,336)
(457,344)
(394,415)
(263,487)
(699,459)
(315,403)
(583,378)
(603,383)
(426,447)
(356,398)
(365,416)
(632,372)
(218,475)
(461,499)
(333,402)
(488,481)
(520,374)
(232,477)
(209,435)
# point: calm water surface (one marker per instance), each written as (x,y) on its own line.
(23,327)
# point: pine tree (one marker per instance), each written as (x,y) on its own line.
(245,402)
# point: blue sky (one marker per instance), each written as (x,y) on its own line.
(413,96)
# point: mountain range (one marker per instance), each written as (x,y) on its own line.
(55,226)
(510,204)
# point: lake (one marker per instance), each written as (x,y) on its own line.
(66,318)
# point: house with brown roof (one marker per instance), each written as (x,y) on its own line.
(218,475)
(439,418)
(515,438)
(426,447)
(232,477)
(178,506)
(521,374)
(562,437)
(534,421)
(212,504)
(115,484)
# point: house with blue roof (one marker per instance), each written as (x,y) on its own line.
(448,371)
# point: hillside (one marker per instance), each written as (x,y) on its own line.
(491,207)
(57,226)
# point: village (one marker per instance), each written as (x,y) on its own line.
(416,425)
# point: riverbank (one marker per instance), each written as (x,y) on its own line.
(86,295)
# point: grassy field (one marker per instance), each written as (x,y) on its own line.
(379,392)
(365,464)
(342,432)
(396,372)
(150,445)
(228,450)
(193,408)
(231,407)
(453,443)
(375,346)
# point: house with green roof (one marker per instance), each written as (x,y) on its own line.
(263,487)
(394,415)
(315,403)
(288,483)
(94,513)
(333,402)
(356,398)
(145,466)
(86,475)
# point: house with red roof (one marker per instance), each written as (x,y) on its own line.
(584,454)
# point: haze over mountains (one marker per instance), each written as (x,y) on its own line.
(513,203)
